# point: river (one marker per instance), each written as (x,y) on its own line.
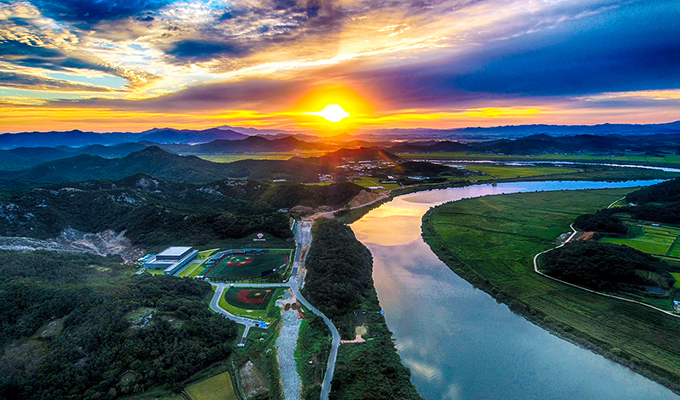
(458,342)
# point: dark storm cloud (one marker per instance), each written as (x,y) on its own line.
(191,50)
(89,12)
(47,58)
(619,50)
(34,82)
(225,96)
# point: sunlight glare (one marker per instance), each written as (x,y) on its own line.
(332,112)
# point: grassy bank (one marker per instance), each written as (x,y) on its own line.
(491,242)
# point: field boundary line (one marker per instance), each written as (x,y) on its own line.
(612,205)
(590,290)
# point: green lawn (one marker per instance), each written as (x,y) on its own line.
(491,242)
(654,240)
(219,387)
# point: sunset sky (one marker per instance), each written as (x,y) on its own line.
(130,65)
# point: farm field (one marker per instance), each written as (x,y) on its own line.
(368,182)
(654,240)
(491,242)
(246,265)
(676,275)
(219,387)
(501,171)
(670,159)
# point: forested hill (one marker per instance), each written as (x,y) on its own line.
(339,282)
(81,327)
(155,211)
(159,163)
(668,191)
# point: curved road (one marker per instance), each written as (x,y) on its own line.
(303,238)
(590,290)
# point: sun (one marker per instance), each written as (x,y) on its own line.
(332,113)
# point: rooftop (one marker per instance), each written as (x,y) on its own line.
(174,251)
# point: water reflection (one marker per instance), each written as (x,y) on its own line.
(457,341)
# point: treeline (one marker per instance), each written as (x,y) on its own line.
(603,266)
(601,222)
(96,341)
(668,191)
(339,270)
(339,282)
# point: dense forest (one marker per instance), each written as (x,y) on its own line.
(155,211)
(81,327)
(668,191)
(339,282)
(601,222)
(603,266)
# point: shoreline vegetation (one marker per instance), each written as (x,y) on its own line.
(340,283)
(628,334)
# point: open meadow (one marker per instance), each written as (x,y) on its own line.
(219,387)
(491,242)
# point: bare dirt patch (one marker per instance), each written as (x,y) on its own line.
(587,236)
(73,241)
(364,198)
(252,380)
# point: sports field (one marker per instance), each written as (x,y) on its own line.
(219,387)
(657,240)
(246,265)
(249,298)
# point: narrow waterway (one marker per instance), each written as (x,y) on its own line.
(458,342)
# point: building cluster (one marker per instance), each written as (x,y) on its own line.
(171,259)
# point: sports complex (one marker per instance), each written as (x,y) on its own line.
(237,264)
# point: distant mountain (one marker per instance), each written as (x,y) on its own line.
(76,138)
(517,131)
(545,144)
(169,135)
(26,157)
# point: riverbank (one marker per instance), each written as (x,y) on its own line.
(596,173)
(339,282)
(490,243)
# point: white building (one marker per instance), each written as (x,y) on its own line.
(172,259)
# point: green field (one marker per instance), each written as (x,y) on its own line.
(502,172)
(670,159)
(219,387)
(368,182)
(491,242)
(246,266)
(676,275)
(654,240)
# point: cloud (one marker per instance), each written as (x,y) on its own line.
(89,12)
(190,50)
(34,82)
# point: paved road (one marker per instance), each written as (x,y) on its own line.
(330,369)
(303,238)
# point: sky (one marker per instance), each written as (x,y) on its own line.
(112,65)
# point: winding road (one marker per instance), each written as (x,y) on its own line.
(303,239)
(574,232)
